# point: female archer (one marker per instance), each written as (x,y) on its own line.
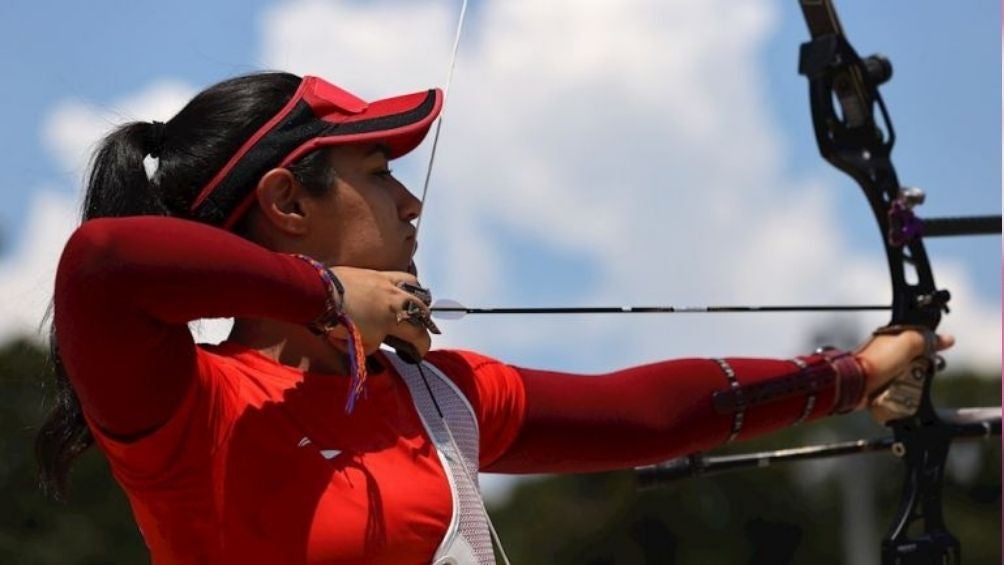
(298,440)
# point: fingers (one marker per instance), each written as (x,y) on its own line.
(413,324)
(918,341)
(415,308)
(417,314)
(945,341)
(416,335)
(897,361)
(926,344)
(400,277)
(388,304)
(414,319)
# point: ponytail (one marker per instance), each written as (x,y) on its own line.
(189,149)
(118,182)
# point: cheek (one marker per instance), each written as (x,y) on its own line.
(357,230)
(373,213)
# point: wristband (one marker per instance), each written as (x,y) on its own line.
(334,315)
(850,379)
(334,301)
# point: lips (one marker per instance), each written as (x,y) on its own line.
(410,239)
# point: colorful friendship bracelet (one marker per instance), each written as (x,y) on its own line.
(334,315)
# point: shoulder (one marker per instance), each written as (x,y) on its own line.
(247,375)
(489,384)
(473,372)
(462,361)
(495,391)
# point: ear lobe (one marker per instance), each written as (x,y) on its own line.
(279,194)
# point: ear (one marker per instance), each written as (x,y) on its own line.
(280,201)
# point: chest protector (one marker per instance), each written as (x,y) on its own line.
(468,539)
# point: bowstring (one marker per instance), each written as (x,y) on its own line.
(442,113)
(418,225)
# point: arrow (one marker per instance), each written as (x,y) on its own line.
(446,309)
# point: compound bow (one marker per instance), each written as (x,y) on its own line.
(845,101)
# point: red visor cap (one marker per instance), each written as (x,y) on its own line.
(318,115)
(337,106)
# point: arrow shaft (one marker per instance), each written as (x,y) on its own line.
(656,309)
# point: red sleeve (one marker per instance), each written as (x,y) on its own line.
(542,422)
(125,290)
(178,446)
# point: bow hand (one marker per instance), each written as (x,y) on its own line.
(897,363)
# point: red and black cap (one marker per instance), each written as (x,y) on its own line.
(318,115)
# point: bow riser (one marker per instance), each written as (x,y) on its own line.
(844,95)
(849,138)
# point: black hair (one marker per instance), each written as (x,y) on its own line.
(190,148)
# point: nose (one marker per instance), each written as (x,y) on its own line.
(408,206)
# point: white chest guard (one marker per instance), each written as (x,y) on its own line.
(468,539)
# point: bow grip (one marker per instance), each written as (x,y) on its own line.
(902,397)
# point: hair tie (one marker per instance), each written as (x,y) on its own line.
(154,139)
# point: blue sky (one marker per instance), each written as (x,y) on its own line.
(96,51)
(515,205)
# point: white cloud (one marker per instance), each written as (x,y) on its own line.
(371,48)
(27,274)
(74,127)
(71,132)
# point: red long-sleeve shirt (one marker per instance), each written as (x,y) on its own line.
(227,455)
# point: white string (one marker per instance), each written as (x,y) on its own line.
(442,112)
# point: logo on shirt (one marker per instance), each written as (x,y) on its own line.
(325,453)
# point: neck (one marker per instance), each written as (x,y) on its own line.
(289,344)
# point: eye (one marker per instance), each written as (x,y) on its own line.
(384,173)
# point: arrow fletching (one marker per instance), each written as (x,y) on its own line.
(446,309)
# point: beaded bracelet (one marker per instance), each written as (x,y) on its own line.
(334,315)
